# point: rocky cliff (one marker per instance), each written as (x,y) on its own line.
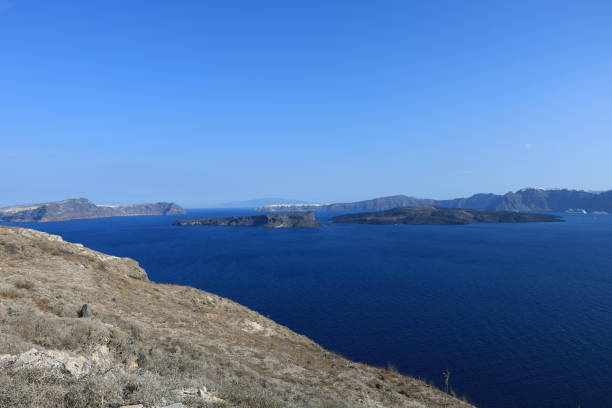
(78,208)
(527,199)
(376,204)
(138,342)
(533,199)
(430,215)
(283,220)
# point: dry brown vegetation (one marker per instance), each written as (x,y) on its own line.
(9,294)
(24,284)
(145,341)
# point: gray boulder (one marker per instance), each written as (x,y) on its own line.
(85,311)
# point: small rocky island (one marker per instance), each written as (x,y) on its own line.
(280,220)
(80,208)
(431,215)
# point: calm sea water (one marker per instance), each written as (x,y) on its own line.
(520,314)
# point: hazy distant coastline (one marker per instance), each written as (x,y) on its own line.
(79,208)
(527,199)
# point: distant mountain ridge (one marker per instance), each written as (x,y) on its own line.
(79,208)
(527,199)
(536,199)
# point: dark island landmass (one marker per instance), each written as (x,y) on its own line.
(527,199)
(431,215)
(80,208)
(280,220)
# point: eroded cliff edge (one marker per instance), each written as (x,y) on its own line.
(157,344)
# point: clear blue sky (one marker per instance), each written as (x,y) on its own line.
(202,102)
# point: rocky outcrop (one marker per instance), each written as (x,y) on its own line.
(430,215)
(59,362)
(79,208)
(85,311)
(281,220)
(20,244)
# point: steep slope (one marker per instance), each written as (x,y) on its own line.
(79,208)
(154,344)
(476,202)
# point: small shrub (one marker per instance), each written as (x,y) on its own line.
(245,394)
(24,284)
(68,334)
(392,368)
(36,388)
(9,294)
(42,303)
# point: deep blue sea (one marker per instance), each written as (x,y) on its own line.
(520,314)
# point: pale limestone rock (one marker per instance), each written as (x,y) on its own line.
(53,360)
(200,392)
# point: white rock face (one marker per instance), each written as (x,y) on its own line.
(203,393)
(252,327)
(34,234)
(57,361)
(17,208)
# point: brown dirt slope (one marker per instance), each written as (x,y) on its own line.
(156,344)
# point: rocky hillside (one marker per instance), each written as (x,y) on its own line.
(78,208)
(527,199)
(157,345)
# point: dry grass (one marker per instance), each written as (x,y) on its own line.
(392,368)
(24,284)
(42,303)
(41,389)
(9,294)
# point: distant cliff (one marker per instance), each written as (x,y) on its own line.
(260,202)
(284,220)
(78,208)
(430,215)
(528,199)
(536,199)
(376,204)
